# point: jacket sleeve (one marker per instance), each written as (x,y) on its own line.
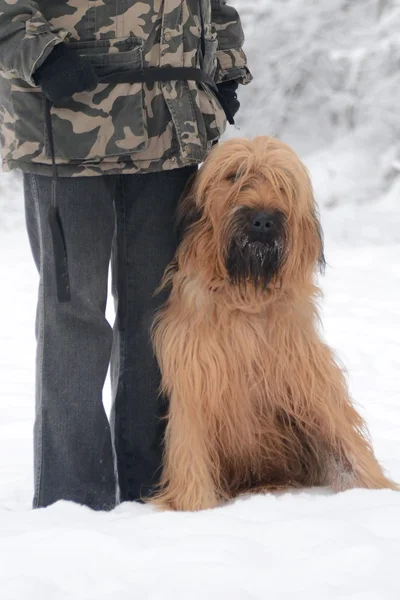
(26,39)
(231,59)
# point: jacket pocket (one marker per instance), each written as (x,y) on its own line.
(210,107)
(212,112)
(28,109)
(109,121)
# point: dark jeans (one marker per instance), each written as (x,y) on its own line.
(129,218)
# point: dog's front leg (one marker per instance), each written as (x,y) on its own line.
(188,478)
(320,404)
(350,461)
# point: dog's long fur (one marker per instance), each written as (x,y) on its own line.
(256,397)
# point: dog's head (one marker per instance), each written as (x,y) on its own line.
(249,215)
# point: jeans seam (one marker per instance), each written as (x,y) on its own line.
(123,342)
(40,342)
(124,269)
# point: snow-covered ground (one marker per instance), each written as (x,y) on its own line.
(327,81)
(308,545)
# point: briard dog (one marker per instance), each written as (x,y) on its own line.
(257,399)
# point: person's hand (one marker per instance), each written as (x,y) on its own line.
(228,90)
(65,73)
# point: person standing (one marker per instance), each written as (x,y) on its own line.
(107,106)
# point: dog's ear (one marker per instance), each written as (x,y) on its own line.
(312,245)
(188,212)
(321,256)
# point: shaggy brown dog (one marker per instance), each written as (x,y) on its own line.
(256,397)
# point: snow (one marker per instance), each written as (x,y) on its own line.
(327,81)
(309,544)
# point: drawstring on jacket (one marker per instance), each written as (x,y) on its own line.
(57,232)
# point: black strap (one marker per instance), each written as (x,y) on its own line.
(165,74)
(152,74)
(54,218)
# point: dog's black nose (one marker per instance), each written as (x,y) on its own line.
(263,222)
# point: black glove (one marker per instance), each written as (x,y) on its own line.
(65,73)
(228,89)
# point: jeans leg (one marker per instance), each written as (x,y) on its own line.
(144,245)
(73,458)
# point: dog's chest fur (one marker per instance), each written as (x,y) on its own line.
(236,365)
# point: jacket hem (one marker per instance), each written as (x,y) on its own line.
(102,168)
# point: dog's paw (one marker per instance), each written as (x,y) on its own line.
(340,474)
(342,480)
(343,475)
(184,502)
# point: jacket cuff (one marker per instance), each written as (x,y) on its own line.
(232,65)
(38,41)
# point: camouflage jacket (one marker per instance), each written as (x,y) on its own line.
(120,127)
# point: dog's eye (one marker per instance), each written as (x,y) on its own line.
(232,178)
